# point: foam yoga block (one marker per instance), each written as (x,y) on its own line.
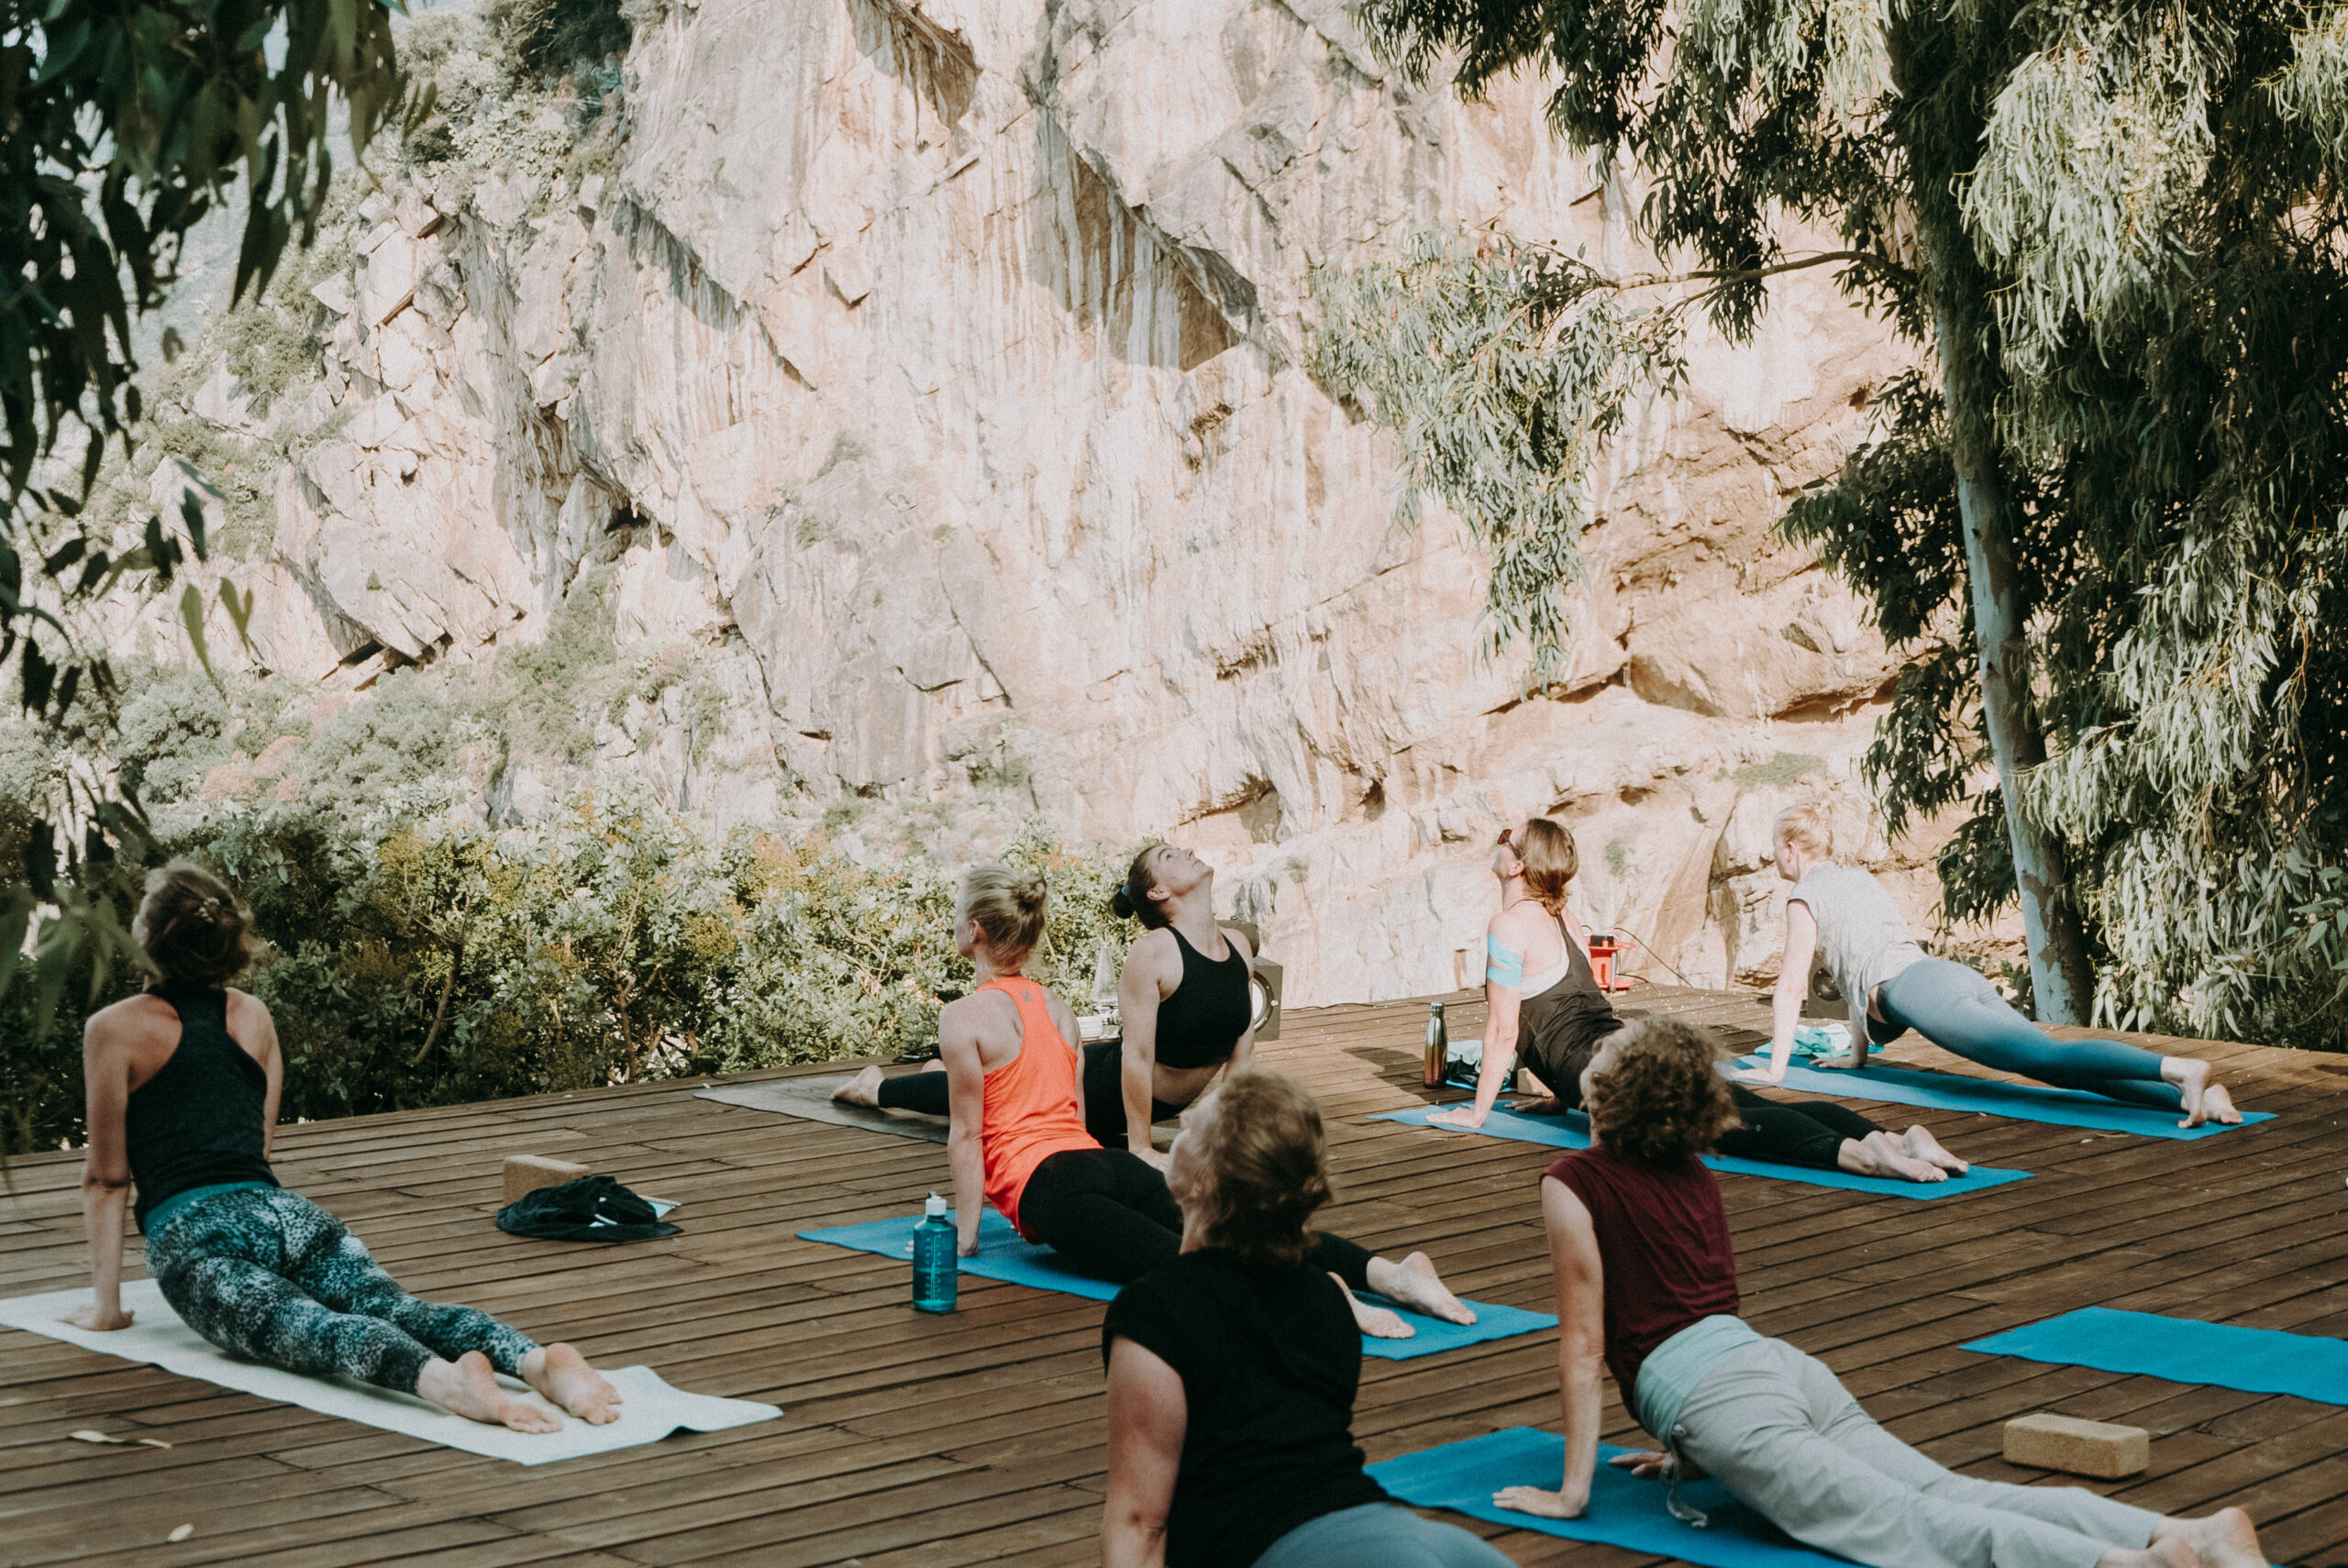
(1571,1131)
(2184,1350)
(526,1174)
(1004,1254)
(2078,1447)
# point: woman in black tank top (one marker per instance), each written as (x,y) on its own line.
(1186,1008)
(1187,1013)
(1549,1014)
(183,1089)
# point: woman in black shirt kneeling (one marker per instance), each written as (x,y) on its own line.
(1233,1369)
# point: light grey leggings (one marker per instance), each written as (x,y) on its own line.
(1961,1012)
(1379,1534)
(1778,1430)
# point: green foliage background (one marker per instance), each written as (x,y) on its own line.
(415,955)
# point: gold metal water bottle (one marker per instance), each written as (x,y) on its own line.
(1438,1046)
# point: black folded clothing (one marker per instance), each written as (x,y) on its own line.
(593,1209)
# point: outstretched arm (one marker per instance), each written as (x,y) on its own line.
(966,1092)
(1243,1055)
(1503,970)
(1786,999)
(105,1174)
(1148,1418)
(1139,989)
(1581,1351)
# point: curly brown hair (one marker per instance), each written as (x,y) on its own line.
(192,927)
(1267,1168)
(1661,1100)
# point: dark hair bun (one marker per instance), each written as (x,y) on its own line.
(1121,904)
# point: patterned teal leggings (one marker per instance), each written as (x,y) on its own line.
(268,1276)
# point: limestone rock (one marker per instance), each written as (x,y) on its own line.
(933,371)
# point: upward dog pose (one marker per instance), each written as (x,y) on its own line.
(1019,1139)
(1538,987)
(1845,915)
(1646,1287)
(1233,1369)
(183,1089)
(1187,1012)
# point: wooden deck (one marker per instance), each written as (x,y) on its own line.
(977,1437)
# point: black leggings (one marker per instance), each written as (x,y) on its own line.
(1807,1133)
(1105,1095)
(1107,1211)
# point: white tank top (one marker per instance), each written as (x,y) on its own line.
(1861,935)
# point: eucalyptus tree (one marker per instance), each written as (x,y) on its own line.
(123,123)
(2102,521)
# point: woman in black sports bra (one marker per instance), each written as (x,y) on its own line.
(1187,1012)
(1183,999)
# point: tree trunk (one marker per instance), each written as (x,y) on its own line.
(1942,65)
(2061,981)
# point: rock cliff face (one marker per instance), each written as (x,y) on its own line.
(930,371)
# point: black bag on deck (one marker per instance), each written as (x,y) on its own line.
(570,1213)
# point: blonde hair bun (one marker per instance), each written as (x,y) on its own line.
(1008,907)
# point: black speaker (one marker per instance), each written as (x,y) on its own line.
(1263,984)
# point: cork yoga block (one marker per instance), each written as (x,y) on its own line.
(527,1172)
(2077,1448)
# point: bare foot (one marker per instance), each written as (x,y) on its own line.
(1376,1322)
(562,1374)
(2224,1540)
(1923,1145)
(1416,1284)
(1877,1154)
(468,1387)
(862,1089)
(2204,1099)
(2165,1551)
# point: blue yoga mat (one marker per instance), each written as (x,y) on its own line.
(1006,1256)
(1623,1510)
(2020,1102)
(1571,1131)
(2184,1350)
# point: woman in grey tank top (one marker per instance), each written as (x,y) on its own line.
(1841,915)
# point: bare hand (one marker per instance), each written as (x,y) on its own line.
(966,1246)
(1151,1157)
(96,1319)
(1858,1058)
(1645,1464)
(1558,1504)
(1465,1116)
(1758,1075)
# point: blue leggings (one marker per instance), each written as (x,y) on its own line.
(1381,1534)
(1959,1011)
(268,1276)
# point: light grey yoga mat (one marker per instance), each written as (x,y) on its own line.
(649,1408)
(811,1098)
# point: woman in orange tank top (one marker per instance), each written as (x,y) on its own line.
(1019,1142)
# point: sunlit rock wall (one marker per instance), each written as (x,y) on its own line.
(932,372)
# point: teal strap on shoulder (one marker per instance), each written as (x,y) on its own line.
(1503,965)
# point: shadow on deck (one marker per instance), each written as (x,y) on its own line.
(977,1437)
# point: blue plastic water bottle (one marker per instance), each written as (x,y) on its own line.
(934,1270)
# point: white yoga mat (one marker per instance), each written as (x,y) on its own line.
(649,1409)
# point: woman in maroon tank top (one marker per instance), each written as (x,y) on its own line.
(1646,1288)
